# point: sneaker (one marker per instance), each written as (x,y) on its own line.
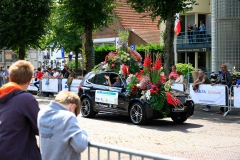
(206,109)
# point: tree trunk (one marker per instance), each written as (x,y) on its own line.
(76,50)
(21,52)
(168,42)
(88,44)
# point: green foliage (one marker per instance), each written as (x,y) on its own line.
(134,67)
(62,33)
(161,8)
(22,23)
(123,35)
(155,76)
(185,68)
(72,65)
(102,51)
(89,15)
(157,102)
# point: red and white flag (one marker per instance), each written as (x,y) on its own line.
(177,28)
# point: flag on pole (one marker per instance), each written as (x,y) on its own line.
(177,28)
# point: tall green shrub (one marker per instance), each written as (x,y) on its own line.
(102,51)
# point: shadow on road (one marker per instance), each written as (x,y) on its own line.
(157,124)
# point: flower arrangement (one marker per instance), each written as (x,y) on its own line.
(121,62)
(148,84)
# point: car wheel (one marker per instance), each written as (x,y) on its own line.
(87,109)
(137,113)
(179,119)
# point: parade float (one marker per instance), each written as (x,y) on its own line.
(144,87)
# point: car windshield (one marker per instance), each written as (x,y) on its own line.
(89,76)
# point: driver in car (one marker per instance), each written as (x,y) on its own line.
(116,84)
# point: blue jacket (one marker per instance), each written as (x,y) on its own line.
(18,124)
(60,136)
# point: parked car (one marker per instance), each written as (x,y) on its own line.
(94,85)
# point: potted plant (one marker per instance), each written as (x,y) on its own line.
(186,69)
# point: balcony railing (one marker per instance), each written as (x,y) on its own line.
(194,39)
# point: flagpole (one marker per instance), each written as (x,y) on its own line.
(177,30)
(175,50)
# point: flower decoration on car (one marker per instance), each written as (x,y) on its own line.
(147,83)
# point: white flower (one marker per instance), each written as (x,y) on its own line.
(148,95)
(128,58)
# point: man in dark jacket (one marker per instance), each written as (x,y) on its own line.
(64,73)
(226,79)
(18,115)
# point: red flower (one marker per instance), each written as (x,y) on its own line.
(110,54)
(163,78)
(147,61)
(157,64)
(144,88)
(172,100)
(139,77)
(113,65)
(134,90)
(125,69)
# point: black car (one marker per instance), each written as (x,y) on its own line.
(94,85)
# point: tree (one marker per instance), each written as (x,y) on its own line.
(89,14)
(22,23)
(166,10)
(62,33)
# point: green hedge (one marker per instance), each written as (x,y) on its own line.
(102,51)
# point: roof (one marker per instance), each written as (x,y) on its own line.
(151,36)
(143,27)
(129,18)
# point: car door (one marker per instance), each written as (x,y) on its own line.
(99,83)
(122,98)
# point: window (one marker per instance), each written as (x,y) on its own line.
(100,79)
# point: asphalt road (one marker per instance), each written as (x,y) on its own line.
(204,136)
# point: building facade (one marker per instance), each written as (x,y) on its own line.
(195,46)
(219,43)
(226,34)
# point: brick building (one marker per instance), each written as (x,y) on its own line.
(141,30)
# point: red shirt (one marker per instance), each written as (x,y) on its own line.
(174,74)
(39,75)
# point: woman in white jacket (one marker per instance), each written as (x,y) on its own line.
(180,78)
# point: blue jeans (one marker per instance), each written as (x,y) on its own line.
(35,84)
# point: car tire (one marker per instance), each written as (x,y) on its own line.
(179,119)
(87,108)
(137,113)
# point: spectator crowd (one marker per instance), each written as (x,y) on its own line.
(196,34)
(48,73)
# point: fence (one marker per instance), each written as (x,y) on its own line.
(113,152)
(217,95)
(179,86)
(194,37)
(54,85)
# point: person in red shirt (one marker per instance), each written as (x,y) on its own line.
(174,72)
(39,77)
